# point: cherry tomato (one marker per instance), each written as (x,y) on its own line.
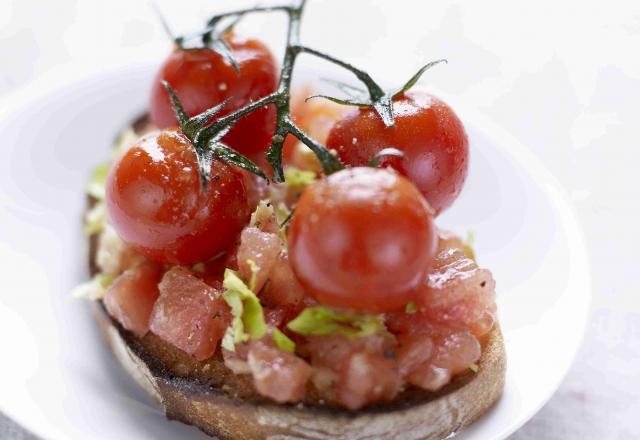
(426,130)
(363,238)
(155,203)
(202,78)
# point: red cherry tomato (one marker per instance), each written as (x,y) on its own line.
(202,78)
(155,203)
(363,239)
(426,130)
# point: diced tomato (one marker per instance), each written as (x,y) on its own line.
(324,380)
(457,351)
(283,288)
(452,355)
(275,316)
(429,377)
(332,351)
(413,351)
(448,240)
(236,360)
(485,323)
(402,323)
(231,257)
(277,374)
(458,291)
(367,378)
(189,313)
(260,247)
(132,295)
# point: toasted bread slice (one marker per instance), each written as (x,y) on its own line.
(209,396)
(233,411)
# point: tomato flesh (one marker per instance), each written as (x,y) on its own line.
(156,205)
(363,238)
(426,130)
(131,297)
(202,79)
(277,374)
(189,314)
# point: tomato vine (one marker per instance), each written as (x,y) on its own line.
(207,139)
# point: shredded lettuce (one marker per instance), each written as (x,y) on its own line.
(124,141)
(263,212)
(95,218)
(282,341)
(254,274)
(474,367)
(324,321)
(283,215)
(98,181)
(296,177)
(94,288)
(468,244)
(97,215)
(248,317)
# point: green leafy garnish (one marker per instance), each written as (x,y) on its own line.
(95,219)
(468,244)
(325,321)
(98,181)
(94,288)
(263,212)
(124,140)
(296,177)
(248,318)
(254,274)
(282,341)
(410,308)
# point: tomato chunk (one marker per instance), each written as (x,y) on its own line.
(458,291)
(283,288)
(260,247)
(189,313)
(452,355)
(277,374)
(367,378)
(131,297)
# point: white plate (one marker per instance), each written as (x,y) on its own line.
(58,379)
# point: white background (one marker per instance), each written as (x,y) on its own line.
(562,76)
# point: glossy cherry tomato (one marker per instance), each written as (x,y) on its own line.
(155,203)
(202,78)
(426,130)
(363,239)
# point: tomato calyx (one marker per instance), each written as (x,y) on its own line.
(210,38)
(374,96)
(207,143)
